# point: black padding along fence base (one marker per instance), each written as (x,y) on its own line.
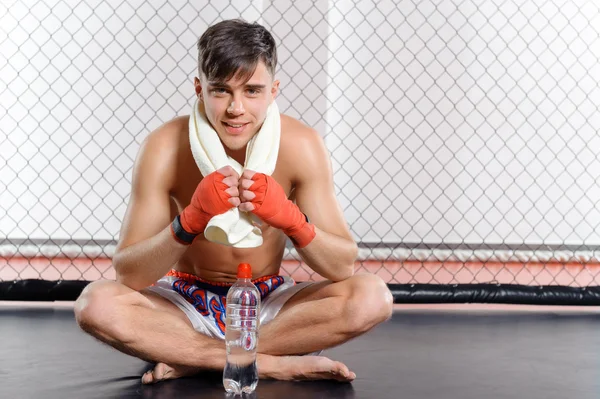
(496,293)
(41,290)
(69,290)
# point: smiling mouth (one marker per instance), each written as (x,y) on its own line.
(237,125)
(235,128)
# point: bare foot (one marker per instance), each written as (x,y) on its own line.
(296,368)
(165,372)
(290,368)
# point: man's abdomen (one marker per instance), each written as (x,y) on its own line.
(216,262)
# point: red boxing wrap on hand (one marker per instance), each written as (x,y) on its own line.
(272,205)
(209,199)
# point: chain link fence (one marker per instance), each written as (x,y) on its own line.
(463,134)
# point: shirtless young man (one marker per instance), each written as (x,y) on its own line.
(170,204)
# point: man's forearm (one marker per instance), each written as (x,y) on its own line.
(329,255)
(142,264)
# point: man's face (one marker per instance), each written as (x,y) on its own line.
(235,109)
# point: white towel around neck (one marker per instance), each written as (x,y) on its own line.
(234,228)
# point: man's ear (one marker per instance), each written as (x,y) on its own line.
(198,88)
(274,89)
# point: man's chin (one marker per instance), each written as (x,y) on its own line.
(235,143)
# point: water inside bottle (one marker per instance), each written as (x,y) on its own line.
(241,337)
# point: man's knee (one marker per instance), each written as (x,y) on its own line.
(92,308)
(369,302)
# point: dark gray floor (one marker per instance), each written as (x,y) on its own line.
(418,354)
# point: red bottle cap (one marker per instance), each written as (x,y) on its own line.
(244,270)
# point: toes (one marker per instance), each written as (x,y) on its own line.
(160,372)
(147,377)
(341,368)
(343,371)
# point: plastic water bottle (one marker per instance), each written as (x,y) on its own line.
(241,333)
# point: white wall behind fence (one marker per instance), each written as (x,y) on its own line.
(456,123)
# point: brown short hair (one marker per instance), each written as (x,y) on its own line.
(234,48)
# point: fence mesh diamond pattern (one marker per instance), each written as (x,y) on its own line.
(463,134)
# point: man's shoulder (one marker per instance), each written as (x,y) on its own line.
(297,135)
(303,148)
(162,151)
(166,143)
(168,138)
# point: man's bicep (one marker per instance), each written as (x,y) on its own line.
(315,191)
(149,208)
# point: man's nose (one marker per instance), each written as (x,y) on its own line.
(236,107)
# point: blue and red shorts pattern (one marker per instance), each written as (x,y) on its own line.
(209,298)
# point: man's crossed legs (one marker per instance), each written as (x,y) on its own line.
(323,315)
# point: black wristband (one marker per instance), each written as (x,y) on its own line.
(179,232)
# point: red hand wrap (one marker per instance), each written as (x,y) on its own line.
(209,199)
(272,205)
